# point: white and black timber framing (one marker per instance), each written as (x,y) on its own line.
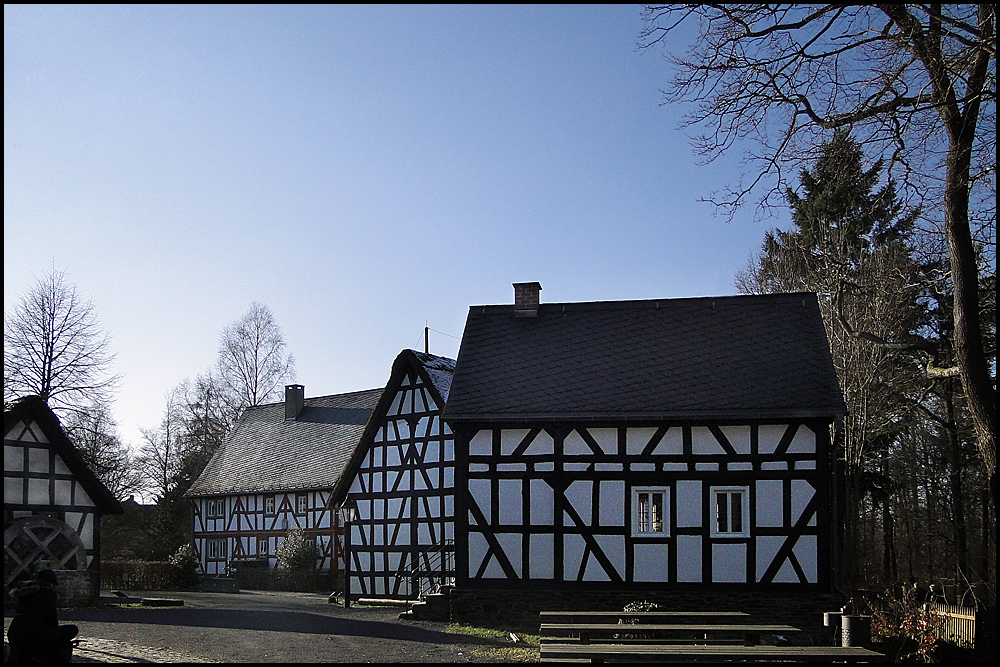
(46,480)
(521,480)
(645,445)
(399,487)
(274,472)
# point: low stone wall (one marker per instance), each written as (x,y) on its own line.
(77,588)
(803,610)
(219,585)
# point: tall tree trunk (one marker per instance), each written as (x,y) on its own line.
(972,363)
(956,488)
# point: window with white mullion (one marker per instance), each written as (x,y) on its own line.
(731,508)
(650,512)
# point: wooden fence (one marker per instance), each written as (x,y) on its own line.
(959,626)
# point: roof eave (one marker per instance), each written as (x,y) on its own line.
(687,415)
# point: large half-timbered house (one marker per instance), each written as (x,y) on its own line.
(648,448)
(399,486)
(53,502)
(276,471)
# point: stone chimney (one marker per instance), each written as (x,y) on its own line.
(295,398)
(526,299)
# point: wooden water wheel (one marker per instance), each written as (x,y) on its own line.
(40,538)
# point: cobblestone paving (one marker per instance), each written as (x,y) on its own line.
(109,650)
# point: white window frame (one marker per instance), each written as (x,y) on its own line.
(215,549)
(215,508)
(639,515)
(301,503)
(727,493)
(262,546)
(270,505)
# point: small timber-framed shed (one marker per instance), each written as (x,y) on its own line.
(53,503)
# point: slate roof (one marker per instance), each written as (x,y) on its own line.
(715,357)
(434,369)
(439,370)
(33,408)
(266,453)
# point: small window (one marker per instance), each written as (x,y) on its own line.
(301,503)
(650,512)
(732,511)
(215,508)
(262,547)
(215,549)
(269,505)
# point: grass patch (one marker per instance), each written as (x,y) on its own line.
(496,645)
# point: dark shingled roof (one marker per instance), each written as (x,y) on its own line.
(714,357)
(266,453)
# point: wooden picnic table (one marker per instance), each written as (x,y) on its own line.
(707,653)
(749,633)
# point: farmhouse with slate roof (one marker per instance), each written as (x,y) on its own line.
(52,503)
(276,471)
(649,449)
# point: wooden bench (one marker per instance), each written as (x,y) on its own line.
(679,633)
(561,652)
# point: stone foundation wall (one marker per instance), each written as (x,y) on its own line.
(78,588)
(801,609)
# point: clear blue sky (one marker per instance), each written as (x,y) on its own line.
(360,170)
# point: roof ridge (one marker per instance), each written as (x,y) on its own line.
(638,303)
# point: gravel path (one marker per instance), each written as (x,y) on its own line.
(256,626)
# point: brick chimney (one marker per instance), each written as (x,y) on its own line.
(526,299)
(295,398)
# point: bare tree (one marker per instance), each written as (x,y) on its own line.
(205,408)
(95,434)
(916,83)
(252,360)
(160,452)
(54,347)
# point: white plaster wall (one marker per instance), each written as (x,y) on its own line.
(689,550)
(729,563)
(769,436)
(739,438)
(650,562)
(671,443)
(540,563)
(612,509)
(703,442)
(770,503)
(689,504)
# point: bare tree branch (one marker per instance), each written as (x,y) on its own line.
(54,347)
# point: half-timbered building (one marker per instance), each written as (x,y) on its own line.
(274,472)
(652,449)
(53,502)
(399,486)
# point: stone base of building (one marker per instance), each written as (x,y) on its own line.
(800,609)
(78,588)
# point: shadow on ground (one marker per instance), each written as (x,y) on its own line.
(283,621)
